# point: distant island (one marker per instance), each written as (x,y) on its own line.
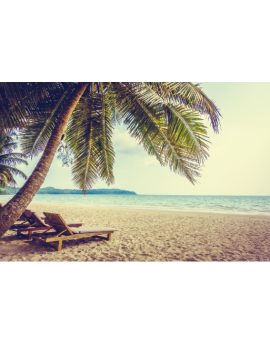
(52,190)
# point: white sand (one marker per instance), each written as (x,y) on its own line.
(149,236)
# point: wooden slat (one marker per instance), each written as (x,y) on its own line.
(73,237)
(32,229)
(58,222)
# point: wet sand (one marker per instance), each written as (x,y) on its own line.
(148,236)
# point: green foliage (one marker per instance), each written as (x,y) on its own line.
(165,117)
(65,154)
(9,160)
(88,136)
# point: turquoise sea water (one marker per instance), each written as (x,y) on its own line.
(252,205)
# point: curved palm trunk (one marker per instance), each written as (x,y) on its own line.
(16,206)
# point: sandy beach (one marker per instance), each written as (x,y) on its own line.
(148,236)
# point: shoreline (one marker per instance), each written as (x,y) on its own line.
(169,211)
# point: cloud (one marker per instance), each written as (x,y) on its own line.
(125,144)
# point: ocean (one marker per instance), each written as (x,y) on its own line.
(248,205)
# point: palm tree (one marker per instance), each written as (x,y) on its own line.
(9,160)
(166,118)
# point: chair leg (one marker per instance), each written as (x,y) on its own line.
(109,237)
(59,247)
(29,234)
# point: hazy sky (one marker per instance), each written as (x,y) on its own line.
(239,161)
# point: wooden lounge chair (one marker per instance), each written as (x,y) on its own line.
(32,223)
(27,220)
(35,223)
(26,215)
(64,232)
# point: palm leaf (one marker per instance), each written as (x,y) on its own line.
(105,156)
(10,171)
(19,102)
(176,113)
(165,117)
(82,139)
(13,159)
(150,121)
(9,160)
(189,94)
(35,135)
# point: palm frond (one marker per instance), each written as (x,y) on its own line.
(174,113)
(10,171)
(188,94)
(9,160)
(19,102)
(165,117)
(3,179)
(13,159)
(147,120)
(35,135)
(84,138)
(105,156)
(186,126)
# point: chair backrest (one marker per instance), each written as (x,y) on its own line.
(33,218)
(58,223)
(27,215)
(37,220)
